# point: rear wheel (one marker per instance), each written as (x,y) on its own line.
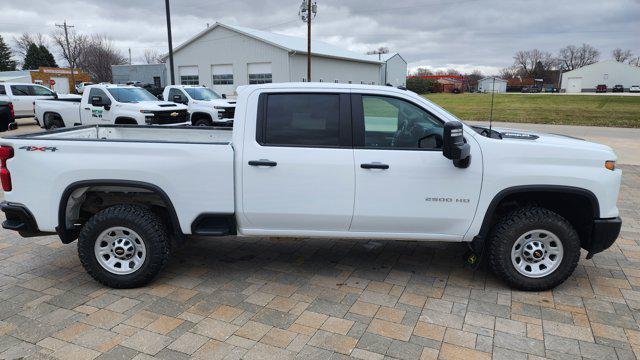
(533,249)
(54,124)
(124,246)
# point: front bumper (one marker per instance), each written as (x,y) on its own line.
(603,234)
(20,219)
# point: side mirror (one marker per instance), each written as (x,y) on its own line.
(224,96)
(96,101)
(453,145)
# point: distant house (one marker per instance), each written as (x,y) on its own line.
(393,70)
(609,73)
(155,74)
(492,84)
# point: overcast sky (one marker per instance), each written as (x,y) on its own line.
(463,34)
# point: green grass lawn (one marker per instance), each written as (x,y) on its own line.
(614,111)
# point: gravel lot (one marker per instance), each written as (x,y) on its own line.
(319,299)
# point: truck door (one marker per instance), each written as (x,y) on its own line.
(404,184)
(91,115)
(22,100)
(297,172)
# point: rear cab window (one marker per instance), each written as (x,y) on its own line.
(304,120)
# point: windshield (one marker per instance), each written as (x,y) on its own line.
(202,94)
(131,95)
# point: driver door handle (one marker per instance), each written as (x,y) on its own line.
(87,108)
(375,165)
(262,162)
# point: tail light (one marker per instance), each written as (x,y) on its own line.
(6,153)
(13,114)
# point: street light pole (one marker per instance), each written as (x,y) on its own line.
(308,11)
(173,78)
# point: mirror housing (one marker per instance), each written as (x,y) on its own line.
(454,146)
(224,96)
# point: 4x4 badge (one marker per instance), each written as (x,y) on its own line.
(39,148)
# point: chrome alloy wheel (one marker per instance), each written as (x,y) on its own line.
(537,253)
(120,250)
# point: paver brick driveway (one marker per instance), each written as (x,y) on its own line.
(317,299)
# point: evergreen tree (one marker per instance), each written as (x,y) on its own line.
(6,64)
(47,57)
(32,58)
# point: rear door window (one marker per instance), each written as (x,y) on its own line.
(41,91)
(301,120)
(20,90)
(2,90)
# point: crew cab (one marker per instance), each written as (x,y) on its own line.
(316,160)
(109,104)
(23,96)
(207,107)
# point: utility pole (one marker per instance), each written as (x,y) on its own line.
(308,11)
(129,56)
(173,77)
(71,57)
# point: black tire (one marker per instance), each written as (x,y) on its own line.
(55,124)
(203,122)
(515,224)
(139,219)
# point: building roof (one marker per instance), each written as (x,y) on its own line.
(493,77)
(612,63)
(286,42)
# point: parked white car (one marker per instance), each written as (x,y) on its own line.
(207,107)
(110,104)
(23,96)
(80,87)
(634,88)
(316,160)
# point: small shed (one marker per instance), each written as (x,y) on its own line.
(492,84)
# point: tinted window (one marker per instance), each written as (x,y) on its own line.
(173,92)
(395,123)
(103,97)
(202,94)
(41,91)
(131,95)
(302,119)
(2,90)
(20,90)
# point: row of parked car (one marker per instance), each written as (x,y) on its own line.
(117,104)
(602,88)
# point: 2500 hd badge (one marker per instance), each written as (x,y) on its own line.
(447,200)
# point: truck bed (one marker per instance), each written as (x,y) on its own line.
(137,133)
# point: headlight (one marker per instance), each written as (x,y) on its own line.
(147,111)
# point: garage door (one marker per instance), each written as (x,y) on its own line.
(259,73)
(61,85)
(574,85)
(189,75)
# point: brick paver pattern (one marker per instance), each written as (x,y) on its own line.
(233,298)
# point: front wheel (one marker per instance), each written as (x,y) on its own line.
(533,249)
(203,122)
(124,246)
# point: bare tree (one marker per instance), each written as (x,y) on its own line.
(531,61)
(72,51)
(635,61)
(380,50)
(97,56)
(620,55)
(574,57)
(508,72)
(151,56)
(422,71)
(21,43)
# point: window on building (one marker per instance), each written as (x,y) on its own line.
(391,123)
(260,78)
(156,81)
(223,79)
(335,81)
(302,120)
(304,79)
(189,80)
(222,74)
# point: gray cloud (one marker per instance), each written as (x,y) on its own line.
(465,34)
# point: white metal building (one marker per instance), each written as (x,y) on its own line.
(492,84)
(609,73)
(393,70)
(224,57)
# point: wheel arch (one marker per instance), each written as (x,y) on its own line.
(125,120)
(197,115)
(55,114)
(68,234)
(554,197)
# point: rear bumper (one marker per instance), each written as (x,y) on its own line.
(20,219)
(603,234)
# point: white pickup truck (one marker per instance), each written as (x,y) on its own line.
(206,107)
(316,160)
(23,96)
(109,104)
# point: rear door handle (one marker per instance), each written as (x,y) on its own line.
(262,162)
(375,165)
